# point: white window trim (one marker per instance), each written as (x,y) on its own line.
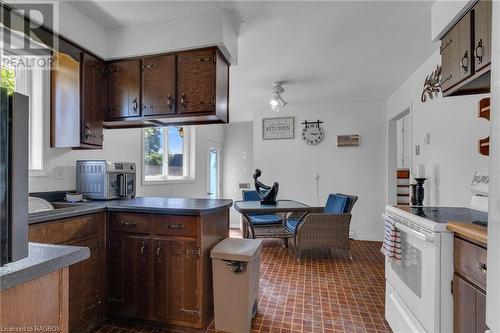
(189,165)
(26,85)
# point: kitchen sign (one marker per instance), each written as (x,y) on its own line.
(278,128)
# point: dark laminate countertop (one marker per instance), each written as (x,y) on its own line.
(156,205)
(42,260)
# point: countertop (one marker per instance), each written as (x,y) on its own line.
(472,231)
(156,205)
(42,259)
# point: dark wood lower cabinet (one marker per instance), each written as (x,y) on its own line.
(176,296)
(87,298)
(159,269)
(469,300)
(156,267)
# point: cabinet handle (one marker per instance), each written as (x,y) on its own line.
(175,226)
(441,49)
(158,251)
(482,267)
(447,79)
(87,130)
(128,223)
(142,248)
(135,105)
(479,51)
(183,100)
(465,62)
(169,102)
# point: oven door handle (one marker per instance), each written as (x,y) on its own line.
(415,233)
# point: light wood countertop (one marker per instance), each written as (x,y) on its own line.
(472,231)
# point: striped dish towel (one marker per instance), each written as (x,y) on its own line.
(391,247)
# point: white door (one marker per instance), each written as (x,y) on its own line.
(214,172)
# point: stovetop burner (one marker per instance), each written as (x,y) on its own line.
(451,214)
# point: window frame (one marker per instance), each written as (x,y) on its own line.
(188,166)
(28,82)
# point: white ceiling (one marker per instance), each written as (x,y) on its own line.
(325,51)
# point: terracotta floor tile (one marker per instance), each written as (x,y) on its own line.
(326,293)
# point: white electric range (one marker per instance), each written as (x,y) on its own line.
(418,289)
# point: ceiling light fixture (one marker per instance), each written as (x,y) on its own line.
(277,102)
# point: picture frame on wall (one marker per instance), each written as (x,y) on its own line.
(278,128)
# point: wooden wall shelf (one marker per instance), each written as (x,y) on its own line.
(484,112)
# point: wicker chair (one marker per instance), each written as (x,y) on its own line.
(320,229)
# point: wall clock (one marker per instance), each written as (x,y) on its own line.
(312,133)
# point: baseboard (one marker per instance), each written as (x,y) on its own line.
(371,238)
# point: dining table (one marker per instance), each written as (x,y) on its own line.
(282,207)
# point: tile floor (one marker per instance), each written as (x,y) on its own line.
(327,293)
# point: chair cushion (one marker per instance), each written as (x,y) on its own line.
(337,204)
(291,223)
(251,196)
(260,219)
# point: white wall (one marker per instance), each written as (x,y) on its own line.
(237,162)
(353,170)
(80,28)
(122,145)
(452,155)
(206,29)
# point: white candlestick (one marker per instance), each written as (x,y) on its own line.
(421,171)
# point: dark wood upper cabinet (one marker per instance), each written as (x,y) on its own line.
(466,53)
(158,85)
(78,98)
(196,81)
(124,86)
(482,34)
(94,100)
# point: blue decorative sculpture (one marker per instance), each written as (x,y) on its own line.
(267,193)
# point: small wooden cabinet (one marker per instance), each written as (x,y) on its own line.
(124,89)
(87,298)
(469,285)
(466,53)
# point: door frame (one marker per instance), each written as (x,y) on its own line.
(392,152)
(211,144)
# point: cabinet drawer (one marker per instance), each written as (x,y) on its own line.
(64,230)
(470,262)
(130,222)
(176,225)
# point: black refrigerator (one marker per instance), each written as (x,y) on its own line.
(14,159)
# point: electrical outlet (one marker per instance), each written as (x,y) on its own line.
(417,150)
(427,139)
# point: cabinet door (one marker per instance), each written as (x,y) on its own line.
(481,312)
(123,89)
(129,275)
(466,61)
(158,85)
(65,97)
(176,281)
(450,58)
(93,100)
(464,298)
(92,288)
(196,81)
(482,34)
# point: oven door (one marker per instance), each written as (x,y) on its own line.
(115,185)
(415,280)
(129,185)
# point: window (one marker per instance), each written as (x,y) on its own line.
(167,154)
(29,82)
